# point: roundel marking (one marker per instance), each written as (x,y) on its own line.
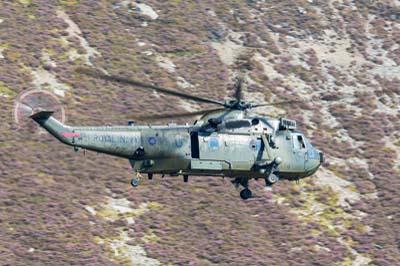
(152,140)
(214,143)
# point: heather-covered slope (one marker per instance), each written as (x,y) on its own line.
(66,208)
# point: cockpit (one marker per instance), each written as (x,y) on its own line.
(301,143)
(298,141)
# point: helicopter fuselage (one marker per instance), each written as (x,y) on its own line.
(234,147)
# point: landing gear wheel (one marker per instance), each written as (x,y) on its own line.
(245,194)
(271,179)
(135,181)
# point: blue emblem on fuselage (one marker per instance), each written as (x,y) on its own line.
(214,143)
(152,140)
(179,141)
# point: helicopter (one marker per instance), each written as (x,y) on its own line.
(229,141)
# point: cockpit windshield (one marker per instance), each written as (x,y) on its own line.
(302,144)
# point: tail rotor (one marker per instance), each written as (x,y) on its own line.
(33,101)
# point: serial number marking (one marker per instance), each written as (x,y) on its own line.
(116,139)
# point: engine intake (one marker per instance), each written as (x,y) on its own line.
(285,123)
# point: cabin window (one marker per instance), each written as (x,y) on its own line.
(298,142)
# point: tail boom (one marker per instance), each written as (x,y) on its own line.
(119,143)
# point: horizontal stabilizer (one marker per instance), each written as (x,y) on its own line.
(41,115)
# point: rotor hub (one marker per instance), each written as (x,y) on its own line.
(237,105)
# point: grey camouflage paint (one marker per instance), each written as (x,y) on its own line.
(246,152)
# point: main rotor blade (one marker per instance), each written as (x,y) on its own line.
(238,87)
(123,80)
(323,96)
(278,103)
(178,115)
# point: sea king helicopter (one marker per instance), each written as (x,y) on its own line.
(229,141)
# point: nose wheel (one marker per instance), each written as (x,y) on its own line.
(136,180)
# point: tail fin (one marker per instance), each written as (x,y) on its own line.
(42,115)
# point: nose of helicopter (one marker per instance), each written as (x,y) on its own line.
(321,157)
(316,162)
(320,161)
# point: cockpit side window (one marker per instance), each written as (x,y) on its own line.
(301,141)
(298,142)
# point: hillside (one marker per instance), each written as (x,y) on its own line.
(59,207)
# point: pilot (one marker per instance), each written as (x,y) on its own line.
(301,141)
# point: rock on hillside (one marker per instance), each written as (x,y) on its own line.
(62,206)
